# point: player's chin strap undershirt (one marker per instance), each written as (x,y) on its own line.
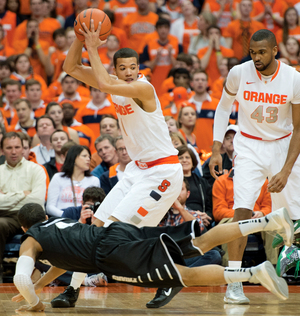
(22,279)
(222,115)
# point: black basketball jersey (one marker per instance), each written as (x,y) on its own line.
(67,244)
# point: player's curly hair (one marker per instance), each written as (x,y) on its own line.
(30,214)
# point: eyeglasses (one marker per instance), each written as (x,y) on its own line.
(121,149)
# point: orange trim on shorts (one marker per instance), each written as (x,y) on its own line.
(259,138)
(142,211)
(161,161)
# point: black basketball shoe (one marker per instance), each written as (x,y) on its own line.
(66,299)
(163,296)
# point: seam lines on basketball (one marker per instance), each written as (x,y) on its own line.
(91,18)
(81,24)
(105,32)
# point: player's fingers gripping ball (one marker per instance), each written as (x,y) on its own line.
(98,16)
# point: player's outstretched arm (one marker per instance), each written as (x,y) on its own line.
(278,182)
(73,66)
(105,82)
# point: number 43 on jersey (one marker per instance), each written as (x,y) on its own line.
(271,115)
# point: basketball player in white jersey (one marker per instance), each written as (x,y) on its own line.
(152,181)
(267,145)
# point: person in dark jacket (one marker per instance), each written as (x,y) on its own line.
(200,198)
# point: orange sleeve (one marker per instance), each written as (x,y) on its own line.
(264,203)
(222,191)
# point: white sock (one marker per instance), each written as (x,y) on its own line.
(250,226)
(77,279)
(234,264)
(232,275)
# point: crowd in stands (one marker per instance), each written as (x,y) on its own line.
(59,136)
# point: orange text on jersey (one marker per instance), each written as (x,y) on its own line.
(123,110)
(265,97)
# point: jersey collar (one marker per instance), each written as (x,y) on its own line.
(275,74)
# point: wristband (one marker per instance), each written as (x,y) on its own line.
(38,46)
(218,53)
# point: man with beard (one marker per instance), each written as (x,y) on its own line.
(267,145)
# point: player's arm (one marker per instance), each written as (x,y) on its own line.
(220,124)
(278,182)
(22,278)
(96,75)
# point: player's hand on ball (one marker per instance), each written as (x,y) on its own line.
(278,182)
(92,39)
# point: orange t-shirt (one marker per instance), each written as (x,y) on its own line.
(35,62)
(64,7)
(9,23)
(278,8)
(292,33)
(6,51)
(121,10)
(204,124)
(10,114)
(55,89)
(217,88)
(86,136)
(212,70)
(164,65)
(57,60)
(189,31)
(25,7)
(77,103)
(91,117)
(235,30)
(137,26)
(38,78)
(213,6)
(46,29)
(31,131)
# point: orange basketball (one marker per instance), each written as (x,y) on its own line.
(98,16)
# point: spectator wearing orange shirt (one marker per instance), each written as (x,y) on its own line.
(25,124)
(91,114)
(85,134)
(239,32)
(9,21)
(121,9)
(290,28)
(270,13)
(35,48)
(33,92)
(293,52)
(187,26)
(64,7)
(182,61)
(212,55)
(12,93)
(23,72)
(159,54)
(205,109)
(51,12)
(69,87)
(46,25)
(223,10)
(57,54)
(138,24)
(5,49)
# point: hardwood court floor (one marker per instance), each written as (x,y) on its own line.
(126,300)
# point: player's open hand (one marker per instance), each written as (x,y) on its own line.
(215,160)
(278,182)
(92,39)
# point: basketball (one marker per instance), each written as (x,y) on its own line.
(98,16)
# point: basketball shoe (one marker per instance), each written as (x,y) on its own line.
(265,274)
(235,294)
(163,296)
(278,240)
(288,258)
(66,299)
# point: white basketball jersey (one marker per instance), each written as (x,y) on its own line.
(145,134)
(265,110)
